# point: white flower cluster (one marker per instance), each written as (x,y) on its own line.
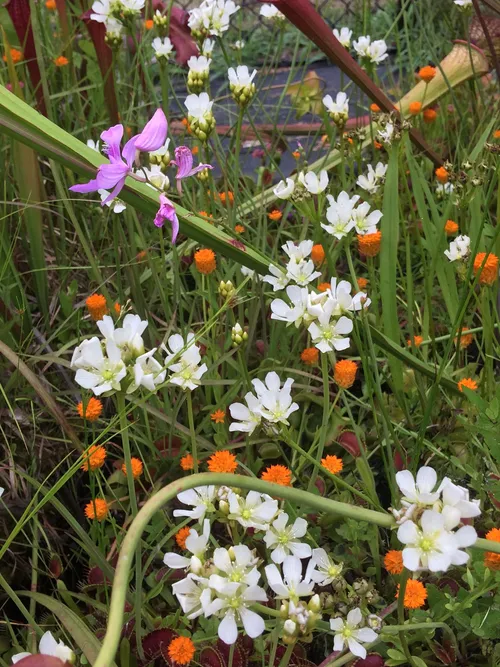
(113,12)
(211,17)
(372,52)
(272,13)
(429,515)
(310,181)
(162,47)
(299,269)
(338,110)
(225,582)
(271,403)
(372,181)
(343,215)
(459,248)
(49,646)
(119,360)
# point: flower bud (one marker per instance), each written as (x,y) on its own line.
(226,289)
(238,335)
(203,175)
(161,23)
(289,627)
(224,507)
(314,603)
(284,609)
(231,553)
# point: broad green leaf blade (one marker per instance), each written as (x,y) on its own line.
(83,637)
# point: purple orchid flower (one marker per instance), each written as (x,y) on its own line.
(112,175)
(184,163)
(167,212)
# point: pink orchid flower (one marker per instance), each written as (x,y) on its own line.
(112,175)
(167,212)
(184,163)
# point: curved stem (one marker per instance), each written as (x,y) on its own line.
(401,615)
(156,502)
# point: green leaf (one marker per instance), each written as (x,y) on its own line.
(418,661)
(83,637)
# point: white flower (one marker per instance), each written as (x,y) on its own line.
(275,401)
(420,492)
(340,293)
(271,12)
(386,134)
(239,45)
(459,248)
(306,306)
(49,646)
(236,564)
(444,189)
(117,204)
(96,370)
(198,106)
(252,511)
(196,545)
(340,214)
(284,189)
(231,603)
(377,51)
(199,64)
(361,45)
(161,152)
(298,252)
(344,36)
(312,183)
(128,337)
(456,504)
(1,491)
(347,632)
(372,180)
(156,177)
(162,47)
(340,107)
(284,540)
(201,499)
(302,273)
(327,570)
(94,145)
(330,335)
(364,223)
(463,3)
(248,417)
(193,595)
(279,279)
(430,546)
(290,586)
(212,16)
(101,11)
(186,372)
(207,47)
(240,76)
(148,372)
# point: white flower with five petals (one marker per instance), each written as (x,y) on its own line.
(201,499)
(349,633)
(252,511)
(231,603)
(344,36)
(322,569)
(313,183)
(284,540)
(292,585)
(49,646)
(196,545)
(248,416)
(284,189)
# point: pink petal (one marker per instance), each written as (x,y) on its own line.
(154,133)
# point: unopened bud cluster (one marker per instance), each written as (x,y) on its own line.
(198,73)
(161,23)
(226,289)
(201,128)
(301,619)
(238,335)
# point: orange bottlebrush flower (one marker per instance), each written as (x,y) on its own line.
(415,108)
(275,215)
(393,561)
(489,272)
(96,304)
(141,255)
(442,175)
(16,56)
(51,5)
(345,373)
(369,244)
(195,150)
(322,287)
(430,116)
(451,227)
(415,594)
(222,461)
(491,559)
(91,411)
(148,24)
(467,382)
(205,260)
(333,464)
(427,73)
(187,462)
(496,134)
(181,650)
(219,416)
(277,474)
(363,283)
(136,465)
(465,338)
(223,196)
(417,341)
(310,356)
(97,509)
(94,458)
(377,145)
(61,61)
(374,108)
(318,254)
(181,535)
(296,154)
(239,229)
(117,308)
(204,214)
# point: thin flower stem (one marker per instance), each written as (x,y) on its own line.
(401,615)
(325,419)
(159,499)
(287,655)
(192,432)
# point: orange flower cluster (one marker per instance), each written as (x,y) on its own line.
(467,382)
(181,535)
(369,244)
(219,416)
(94,458)
(345,373)
(51,5)
(148,24)
(417,341)
(275,215)
(363,283)
(61,61)
(332,463)
(223,197)
(310,356)
(465,338)
(374,108)
(277,474)
(430,116)
(415,108)
(204,260)
(181,650)
(91,411)
(415,594)
(427,73)
(187,462)
(318,254)
(97,509)
(96,305)
(451,227)
(322,287)
(393,561)
(239,229)
(442,175)
(491,559)
(15,55)
(136,465)
(489,273)
(222,461)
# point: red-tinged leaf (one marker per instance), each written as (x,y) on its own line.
(371,660)
(40,660)
(445,653)
(97,33)
(20,15)
(305,17)
(179,32)
(155,642)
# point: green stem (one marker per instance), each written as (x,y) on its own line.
(401,615)
(156,502)
(324,421)
(192,432)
